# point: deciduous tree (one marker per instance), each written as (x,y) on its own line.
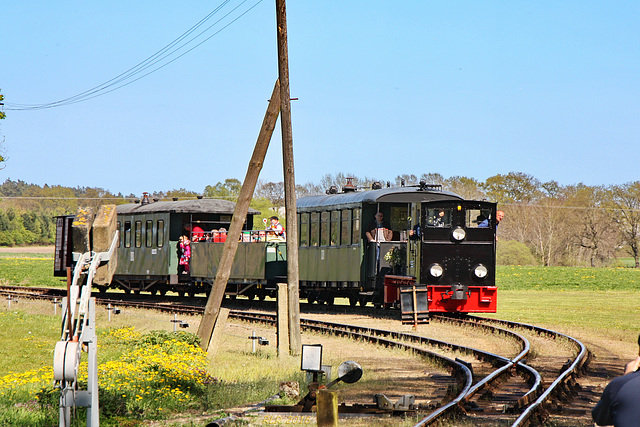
(469,188)
(512,187)
(624,204)
(228,190)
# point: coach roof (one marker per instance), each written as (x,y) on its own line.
(215,206)
(384,195)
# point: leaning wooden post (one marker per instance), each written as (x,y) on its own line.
(239,215)
(289,182)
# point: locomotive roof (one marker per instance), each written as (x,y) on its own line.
(383,195)
(215,206)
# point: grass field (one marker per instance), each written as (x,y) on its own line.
(28,269)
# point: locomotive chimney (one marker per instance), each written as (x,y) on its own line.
(145,199)
(349,187)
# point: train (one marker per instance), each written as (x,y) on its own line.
(363,245)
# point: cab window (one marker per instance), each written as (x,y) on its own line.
(478,218)
(438,217)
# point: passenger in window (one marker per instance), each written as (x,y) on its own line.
(438,220)
(179,252)
(378,230)
(275,230)
(185,246)
(197,234)
(221,235)
(485,222)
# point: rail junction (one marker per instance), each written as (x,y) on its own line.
(516,387)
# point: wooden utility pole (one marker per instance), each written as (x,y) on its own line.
(239,215)
(289,182)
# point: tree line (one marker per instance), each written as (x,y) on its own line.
(545,223)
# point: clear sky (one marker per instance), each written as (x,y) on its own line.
(473,88)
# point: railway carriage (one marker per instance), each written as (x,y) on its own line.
(435,239)
(147,251)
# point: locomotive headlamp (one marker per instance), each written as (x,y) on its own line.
(436,270)
(459,234)
(480,271)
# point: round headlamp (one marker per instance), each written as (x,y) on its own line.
(459,234)
(436,270)
(480,271)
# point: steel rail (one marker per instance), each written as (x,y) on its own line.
(567,374)
(535,380)
(463,373)
(533,377)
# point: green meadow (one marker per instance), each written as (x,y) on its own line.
(28,269)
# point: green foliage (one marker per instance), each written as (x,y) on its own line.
(161,337)
(512,252)
(512,187)
(181,193)
(267,210)
(228,190)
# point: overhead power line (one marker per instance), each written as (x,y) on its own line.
(173,51)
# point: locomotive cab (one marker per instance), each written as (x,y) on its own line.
(457,255)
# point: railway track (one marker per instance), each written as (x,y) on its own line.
(491,389)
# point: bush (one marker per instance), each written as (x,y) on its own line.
(512,252)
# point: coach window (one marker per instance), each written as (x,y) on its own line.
(160,232)
(138,236)
(334,229)
(439,217)
(127,234)
(324,228)
(355,228)
(314,226)
(148,233)
(304,229)
(118,225)
(345,227)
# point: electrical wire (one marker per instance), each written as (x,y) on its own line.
(124,79)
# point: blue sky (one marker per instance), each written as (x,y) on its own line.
(385,88)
